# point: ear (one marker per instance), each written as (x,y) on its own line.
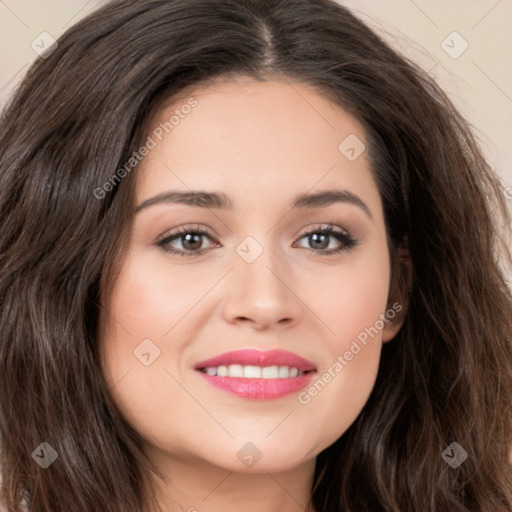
(400,288)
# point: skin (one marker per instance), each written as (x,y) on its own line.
(261,143)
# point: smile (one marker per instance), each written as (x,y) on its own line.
(255,374)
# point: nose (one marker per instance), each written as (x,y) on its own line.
(261,293)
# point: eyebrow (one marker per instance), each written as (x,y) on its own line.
(219,200)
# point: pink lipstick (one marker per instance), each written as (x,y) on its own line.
(255,374)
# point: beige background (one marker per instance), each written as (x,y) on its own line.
(479,80)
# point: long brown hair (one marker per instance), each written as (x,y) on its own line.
(78,117)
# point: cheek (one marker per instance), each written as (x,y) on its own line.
(147,299)
(143,309)
(350,297)
(152,299)
(352,309)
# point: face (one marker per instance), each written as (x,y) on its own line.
(258,315)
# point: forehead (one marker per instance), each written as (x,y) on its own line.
(284,101)
(266,140)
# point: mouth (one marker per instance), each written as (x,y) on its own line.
(259,375)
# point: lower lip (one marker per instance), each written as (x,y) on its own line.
(259,389)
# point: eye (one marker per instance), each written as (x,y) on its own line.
(320,239)
(191,240)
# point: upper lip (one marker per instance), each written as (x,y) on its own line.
(255,357)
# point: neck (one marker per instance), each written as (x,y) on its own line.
(199,486)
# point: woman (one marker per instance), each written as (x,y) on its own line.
(249,259)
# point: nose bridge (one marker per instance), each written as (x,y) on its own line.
(261,287)
(261,265)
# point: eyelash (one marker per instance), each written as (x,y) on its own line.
(348,242)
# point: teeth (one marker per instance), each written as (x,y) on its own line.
(284,371)
(235,370)
(222,371)
(254,372)
(270,372)
(251,372)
